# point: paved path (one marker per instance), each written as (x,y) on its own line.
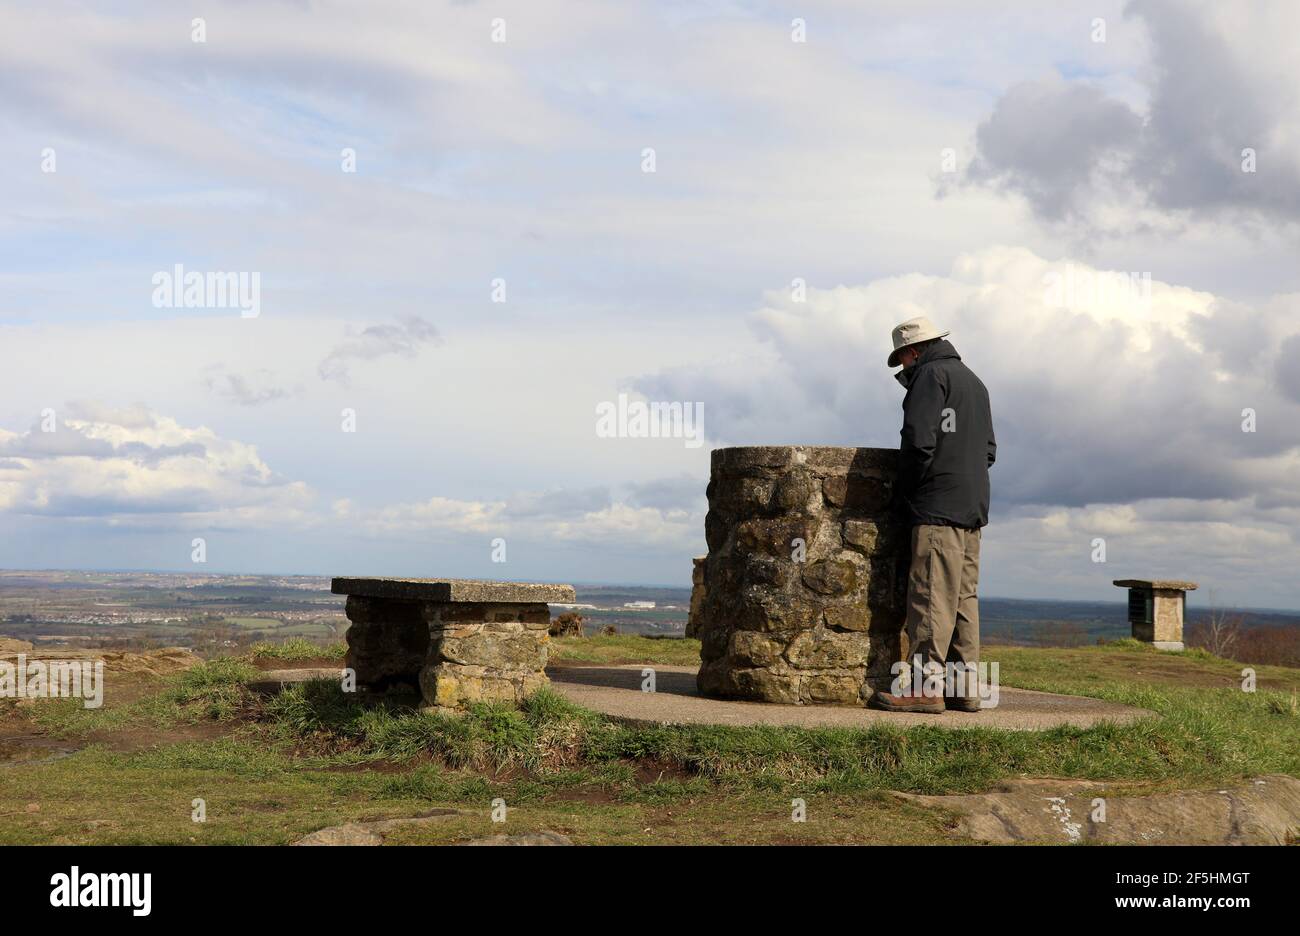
(616,690)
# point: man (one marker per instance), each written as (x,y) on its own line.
(943,488)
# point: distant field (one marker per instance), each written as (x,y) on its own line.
(216,614)
(257,622)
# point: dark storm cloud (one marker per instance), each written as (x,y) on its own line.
(1288,368)
(1045,139)
(1067,147)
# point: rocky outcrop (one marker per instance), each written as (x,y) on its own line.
(372,832)
(544,837)
(802,594)
(162,662)
(1264,811)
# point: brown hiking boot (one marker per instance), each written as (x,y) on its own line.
(932,705)
(958,704)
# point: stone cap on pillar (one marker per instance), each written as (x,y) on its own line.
(739,459)
(1173,584)
(453,590)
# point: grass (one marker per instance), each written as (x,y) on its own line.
(1127,662)
(253,796)
(622,648)
(297,649)
(312,756)
(214,690)
(1202,736)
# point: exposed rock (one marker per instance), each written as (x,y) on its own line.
(371,832)
(29,750)
(527,838)
(116,662)
(354,833)
(14,645)
(1264,811)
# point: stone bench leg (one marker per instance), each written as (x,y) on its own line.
(454,653)
(484,652)
(388,642)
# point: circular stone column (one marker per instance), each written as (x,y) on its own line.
(804,586)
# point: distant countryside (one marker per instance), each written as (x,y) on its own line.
(215,615)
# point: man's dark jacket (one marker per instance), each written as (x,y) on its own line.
(948,445)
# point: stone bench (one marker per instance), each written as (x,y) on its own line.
(1157,609)
(456,641)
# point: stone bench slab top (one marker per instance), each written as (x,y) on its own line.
(1156,583)
(453,590)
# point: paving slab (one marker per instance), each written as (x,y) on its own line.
(448,590)
(616,690)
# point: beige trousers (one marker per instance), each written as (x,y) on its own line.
(943,618)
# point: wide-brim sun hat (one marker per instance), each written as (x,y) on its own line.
(913,331)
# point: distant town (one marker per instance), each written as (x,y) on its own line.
(214,611)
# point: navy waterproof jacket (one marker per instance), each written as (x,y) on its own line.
(947,441)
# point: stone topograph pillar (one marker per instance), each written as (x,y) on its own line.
(802,597)
(457,640)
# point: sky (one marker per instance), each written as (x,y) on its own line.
(467,226)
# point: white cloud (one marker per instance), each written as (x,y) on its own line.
(1106,408)
(615,524)
(436,515)
(134,467)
